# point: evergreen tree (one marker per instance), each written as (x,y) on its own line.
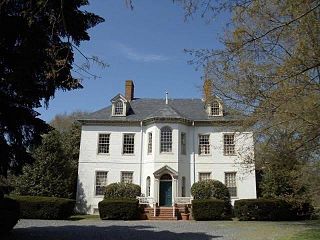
(37,44)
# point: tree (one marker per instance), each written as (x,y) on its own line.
(64,149)
(270,69)
(52,173)
(37,44)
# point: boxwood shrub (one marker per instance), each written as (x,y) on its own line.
(9,214)
(270,210)
(210,209)
(212,189)
(121,209)
(36,207)
(122,191)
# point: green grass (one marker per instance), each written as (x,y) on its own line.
(311,233)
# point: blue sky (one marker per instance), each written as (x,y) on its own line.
(146,45)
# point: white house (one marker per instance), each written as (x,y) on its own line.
(163,145)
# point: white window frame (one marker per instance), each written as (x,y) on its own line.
(102,185)
(229,149)
(117,107)
(233,184)
(122,176)
(201,173)
(107,144)
(165,140)
(204,149)
(124,147)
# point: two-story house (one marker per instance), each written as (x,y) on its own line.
(163,145)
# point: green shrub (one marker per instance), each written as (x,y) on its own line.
(125,209)
(210,209)
(270,210)
(9,214)
(35,207)
(212,189)
(122,191)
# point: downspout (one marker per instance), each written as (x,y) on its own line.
(194,154)
(141,152)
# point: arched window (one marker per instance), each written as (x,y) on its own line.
(148,187)
(118,108)
(183,187)
(166,139)
(215,108)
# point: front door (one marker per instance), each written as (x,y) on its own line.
(165,193)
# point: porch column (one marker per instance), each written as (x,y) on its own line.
(156,190)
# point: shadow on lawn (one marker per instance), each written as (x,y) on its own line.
(113,232)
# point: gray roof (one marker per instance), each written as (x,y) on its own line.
(142,109)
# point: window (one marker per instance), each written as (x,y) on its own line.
(127,177)
(118,108)
(101,182)
(204,176)
(104,143)
(228,144)
(128,144)
(166,140)
(204,144)
(148,187)
(183,187)
(230,181)
(183,144)
(215,109)
(149,142)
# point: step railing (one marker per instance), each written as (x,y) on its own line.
(183,200)
(148,201)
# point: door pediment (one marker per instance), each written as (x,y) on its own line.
(165,170)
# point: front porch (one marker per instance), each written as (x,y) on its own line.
(152,210)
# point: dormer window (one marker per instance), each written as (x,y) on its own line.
(215,108)
(118,108)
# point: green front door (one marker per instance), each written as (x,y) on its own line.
(165,193)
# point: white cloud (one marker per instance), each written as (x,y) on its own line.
(134,55)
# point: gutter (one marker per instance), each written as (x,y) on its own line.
(194,154)
(141,152)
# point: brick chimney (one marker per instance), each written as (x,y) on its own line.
(129,90)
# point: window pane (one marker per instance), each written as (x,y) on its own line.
(183,187)
(204,176)
(104,143)
(101,182)
(149,142)
(166,140)
(148,187)
(126,177)
(204,144)
(118,108)
(215,109)
(230,181)
(229,146)
(128,144)
(183,143)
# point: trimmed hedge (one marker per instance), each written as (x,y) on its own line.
(122,191)
(210,209)
(125,209)
(9,214)
(35,207)
(270,210)
(210,189)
